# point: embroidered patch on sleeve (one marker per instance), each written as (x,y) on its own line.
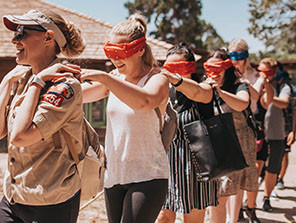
(54,99)
(62,89)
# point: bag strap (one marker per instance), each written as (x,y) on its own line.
(157,110)
(216,102)
(57,143)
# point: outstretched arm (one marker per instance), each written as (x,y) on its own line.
(238,101)
(200,92)
(92,91)
(154,93)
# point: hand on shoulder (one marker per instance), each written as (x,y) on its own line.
(88,75)
(58,70)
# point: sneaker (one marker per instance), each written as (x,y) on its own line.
(266,204)
(274,196)
(241,217)
(260,180)
(280,184)
(251,213)
(245,204)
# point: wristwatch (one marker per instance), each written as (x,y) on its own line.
(179,82)
(38,81)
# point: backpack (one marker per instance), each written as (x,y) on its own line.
(288,111)
(169,127)
(90,160)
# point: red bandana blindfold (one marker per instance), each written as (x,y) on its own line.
(182,67)
(214,69)
(124,50)
(268,72)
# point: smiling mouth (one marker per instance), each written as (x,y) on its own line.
(19,51)
(120,66)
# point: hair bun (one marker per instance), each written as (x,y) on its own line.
(139,18)
(75,45)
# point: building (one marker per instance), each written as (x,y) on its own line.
(95,34)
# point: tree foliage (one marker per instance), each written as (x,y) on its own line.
(274,22)
(178,21)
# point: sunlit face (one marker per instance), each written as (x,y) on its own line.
(127,65)
(30,48)
(219,78)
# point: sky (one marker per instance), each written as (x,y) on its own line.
(230,18)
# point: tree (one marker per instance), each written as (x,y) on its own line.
(274,22)
(178,21)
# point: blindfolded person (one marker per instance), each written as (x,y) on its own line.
(41,183)
(188,94)
(233,96)
(257,84)
(239,55)
(136,179)
(274,124)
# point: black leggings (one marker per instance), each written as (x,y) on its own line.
(135,202)
(66,212)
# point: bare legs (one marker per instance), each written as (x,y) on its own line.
(195,216)
(285,163)
(270,181)
(218,213)
(168,216)
(235,203)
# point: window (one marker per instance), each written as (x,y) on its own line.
(95,113)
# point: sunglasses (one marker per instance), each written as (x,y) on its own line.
(19,33)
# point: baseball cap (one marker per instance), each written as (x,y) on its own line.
(35,17)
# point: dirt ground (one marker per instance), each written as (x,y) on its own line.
(284,204)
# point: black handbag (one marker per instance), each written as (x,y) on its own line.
(214,146)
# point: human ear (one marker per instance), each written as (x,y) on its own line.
(142,51)
(49,37)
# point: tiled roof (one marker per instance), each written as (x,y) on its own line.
(94,31)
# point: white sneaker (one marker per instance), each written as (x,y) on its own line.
(274,196)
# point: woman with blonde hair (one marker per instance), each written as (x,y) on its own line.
(239,55)
(41,183)
(136,180)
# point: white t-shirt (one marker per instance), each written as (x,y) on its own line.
(133,144)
